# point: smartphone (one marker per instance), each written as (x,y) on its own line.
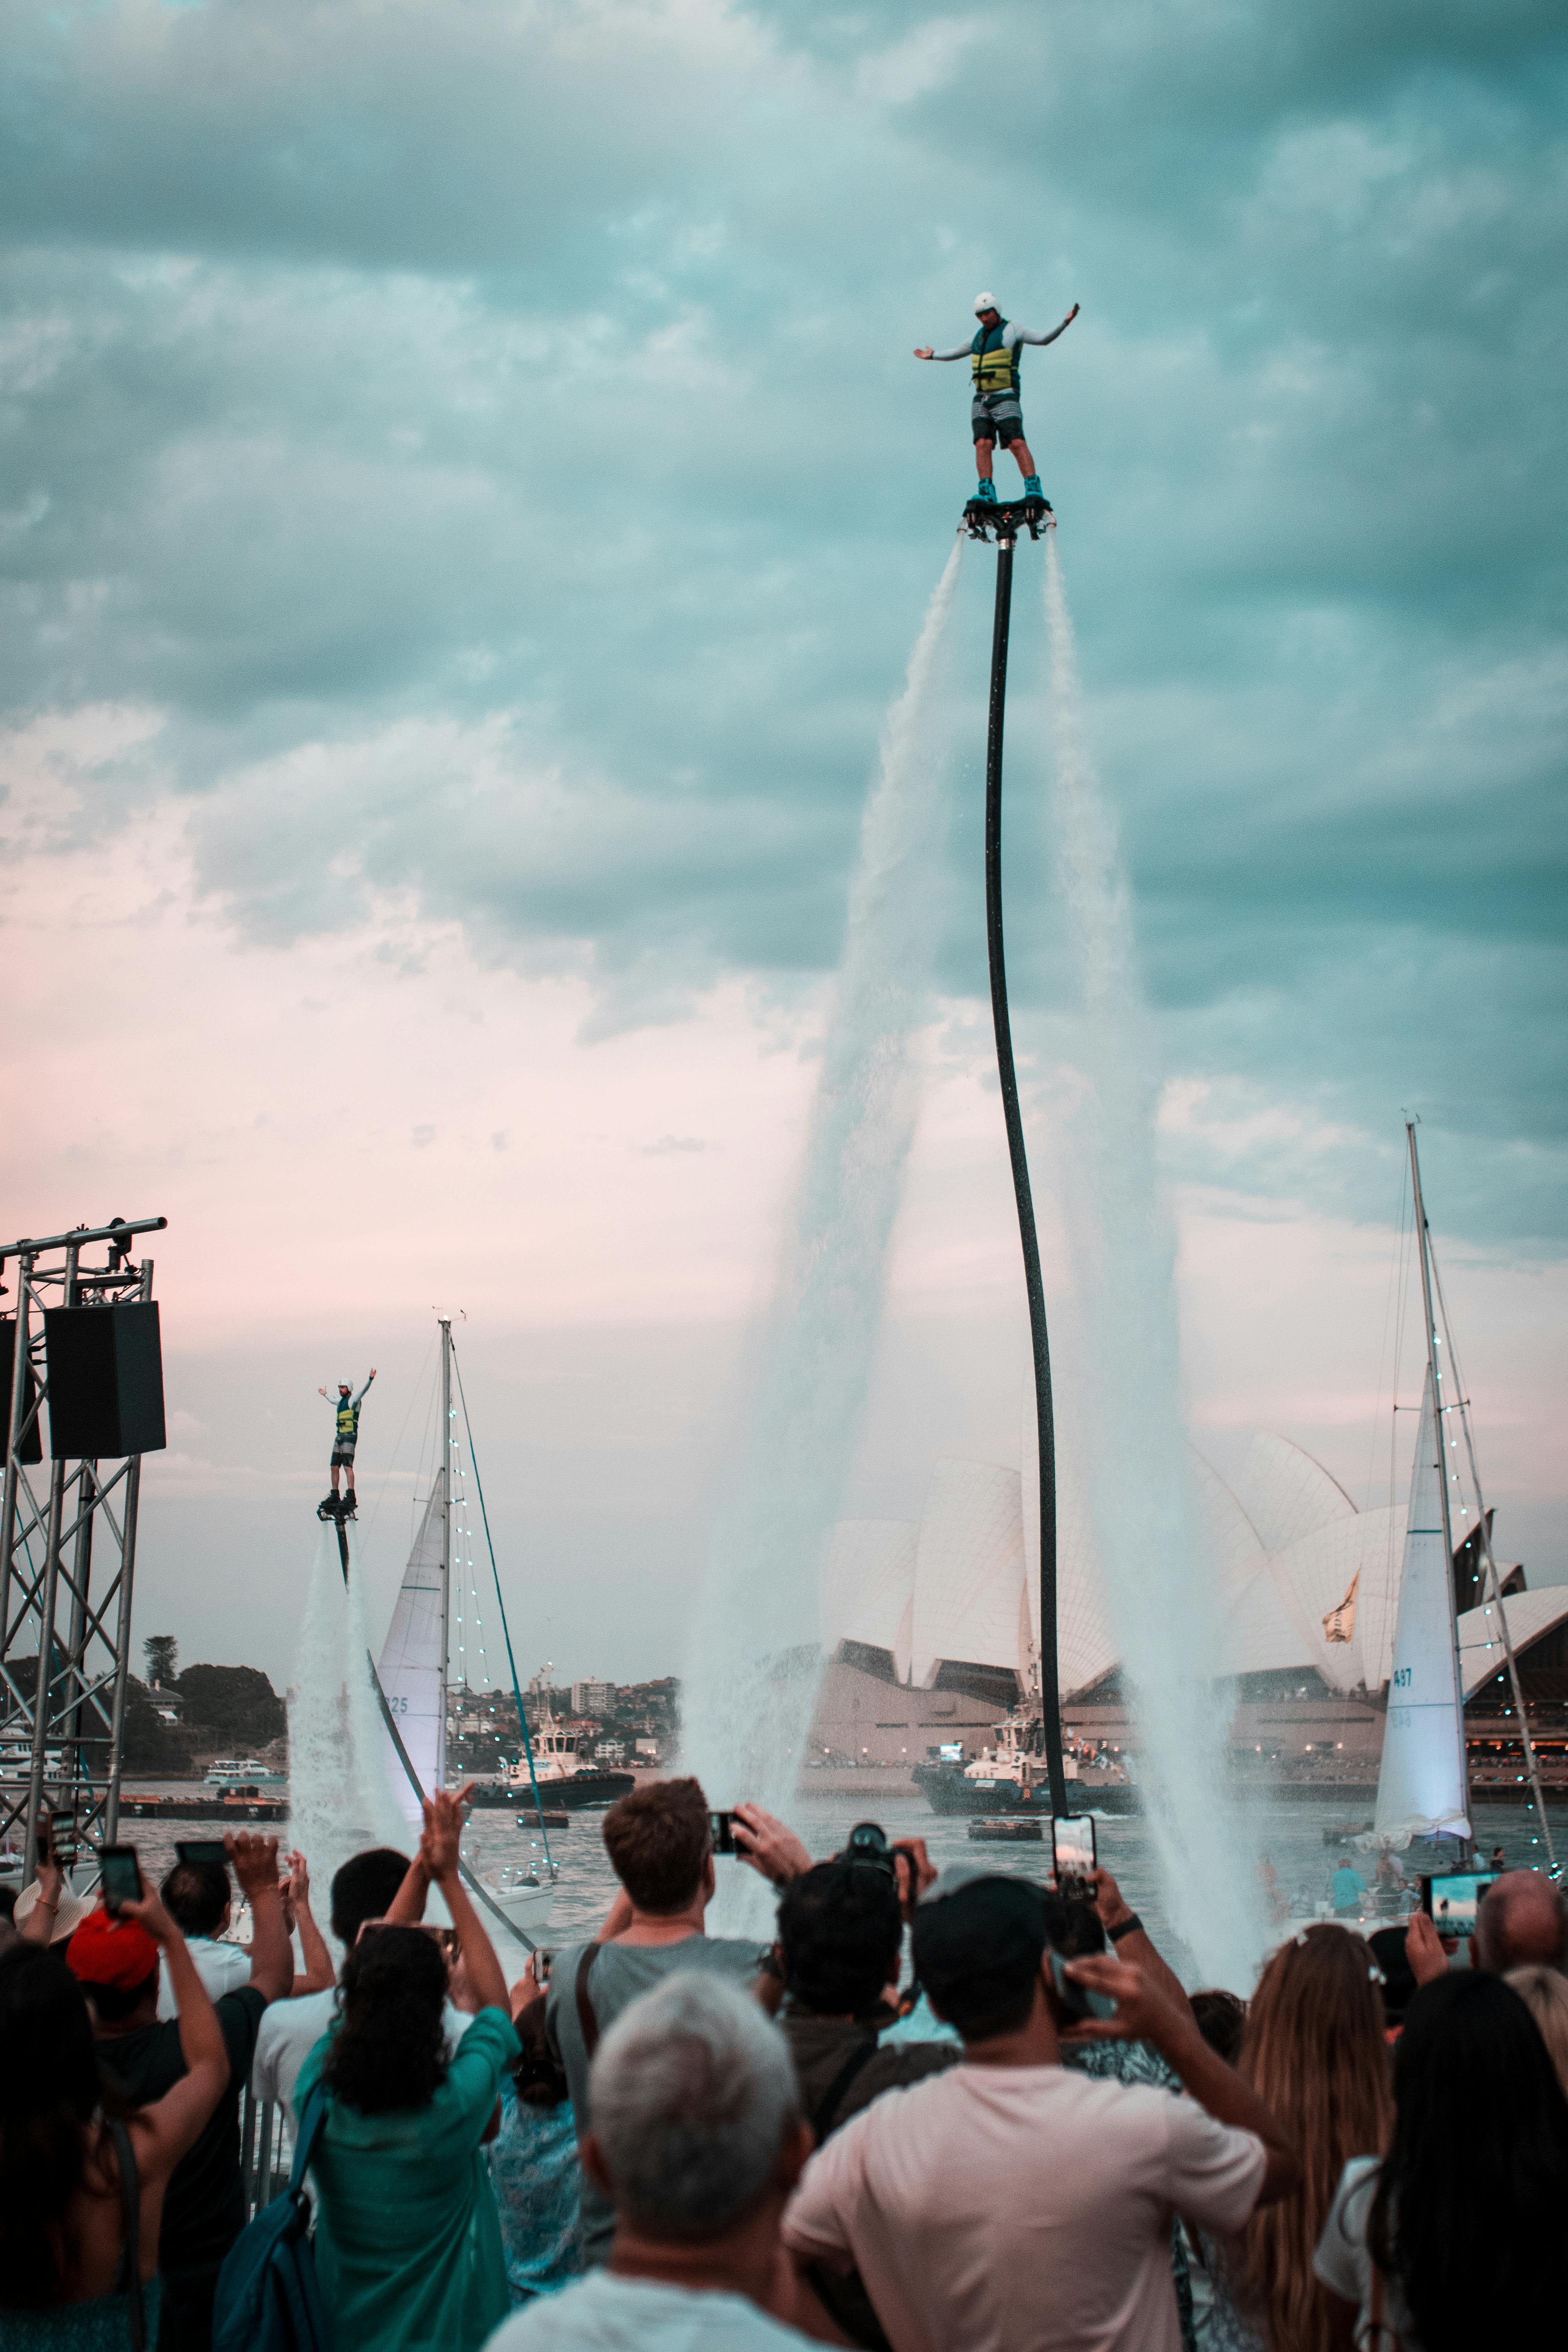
(1451,1901)
(202,1851)
(121,1877)
(1075,1999)
(721,1829)
(1072,1839)
(62,1839)
(541,1959)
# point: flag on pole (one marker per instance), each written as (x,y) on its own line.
(1339,1626)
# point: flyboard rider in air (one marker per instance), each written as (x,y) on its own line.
(345,1437)
(996,415)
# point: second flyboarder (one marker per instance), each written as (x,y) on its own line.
(995,414)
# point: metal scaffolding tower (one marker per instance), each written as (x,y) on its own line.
(68,1554)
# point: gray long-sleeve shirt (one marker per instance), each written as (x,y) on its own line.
(1012,336)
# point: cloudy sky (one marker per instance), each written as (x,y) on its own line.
(467,504)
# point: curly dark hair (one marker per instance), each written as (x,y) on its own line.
(49,2092)
(841,1928)
(390,2049)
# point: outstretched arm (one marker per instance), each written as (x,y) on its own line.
(365,1390)
(1134,1944)
(439,1854)
(959,351)
(1016,334)
(1145,2014)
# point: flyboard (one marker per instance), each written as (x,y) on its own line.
(1003,519)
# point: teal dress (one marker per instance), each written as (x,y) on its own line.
(408,2244)
(104,2324)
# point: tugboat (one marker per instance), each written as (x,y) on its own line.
(1011,1777)
(564,1779)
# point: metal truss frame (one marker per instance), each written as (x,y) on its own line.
(67,1558)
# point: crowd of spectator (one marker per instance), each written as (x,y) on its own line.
(954,2112)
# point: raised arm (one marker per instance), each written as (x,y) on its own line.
(371,1374)
(1134,1942)
(255,1862)
(1144,2014)
(318,1970)
(1024,335)
(170,2125)
(959,351)
(38,1927)
(439,1853)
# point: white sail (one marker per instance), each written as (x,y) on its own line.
(1421,1786)
(413,1664)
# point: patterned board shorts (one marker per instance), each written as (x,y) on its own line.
(999,418)
(342,1451)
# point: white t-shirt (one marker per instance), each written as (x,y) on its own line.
(604,2312)
(222,1968)
(1344,2262)
(290,2030)
(1022,2209)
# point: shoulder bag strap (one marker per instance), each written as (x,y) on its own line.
(309,2124)
(824,2115)
(586,2016)
(128,2279)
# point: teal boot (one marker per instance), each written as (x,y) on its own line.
(1032,487)
(986,493)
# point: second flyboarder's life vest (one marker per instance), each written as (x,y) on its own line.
(348,1418)
(994,366)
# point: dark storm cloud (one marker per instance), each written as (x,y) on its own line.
(487,434)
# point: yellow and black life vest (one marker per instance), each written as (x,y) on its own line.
(995,367)
(348,1418)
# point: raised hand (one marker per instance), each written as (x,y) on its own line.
(1424,1949)
(773,1851)
(1143,2011)
(442,1835)
(918,1873)
(149,1914)
(255,1862)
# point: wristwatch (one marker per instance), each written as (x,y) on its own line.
(1129,1926)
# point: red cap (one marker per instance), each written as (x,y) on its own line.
(105,1951)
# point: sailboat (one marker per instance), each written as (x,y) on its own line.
(412,1676)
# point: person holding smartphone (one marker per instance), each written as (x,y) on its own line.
(77,2174)
(408,2246)
(1008,2201)
(48,1911)
(144,2058)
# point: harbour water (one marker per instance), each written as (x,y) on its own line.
(1290,1833)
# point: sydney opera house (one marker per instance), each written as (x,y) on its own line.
(930,1626)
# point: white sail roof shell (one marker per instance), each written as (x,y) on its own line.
(969,1569)
(869,1587)
(1285,1493)
(1530,1615)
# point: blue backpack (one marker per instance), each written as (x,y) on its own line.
(268,2299)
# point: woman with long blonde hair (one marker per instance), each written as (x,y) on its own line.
(1315,2050)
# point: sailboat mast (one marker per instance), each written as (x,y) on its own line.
(447,1444)
(1422,1244)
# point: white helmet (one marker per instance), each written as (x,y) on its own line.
(985,302)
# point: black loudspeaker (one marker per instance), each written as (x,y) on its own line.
(106,1379)
(32,1449)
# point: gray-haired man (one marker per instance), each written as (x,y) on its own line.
(698,2140)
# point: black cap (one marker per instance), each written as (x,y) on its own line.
(981,1925)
